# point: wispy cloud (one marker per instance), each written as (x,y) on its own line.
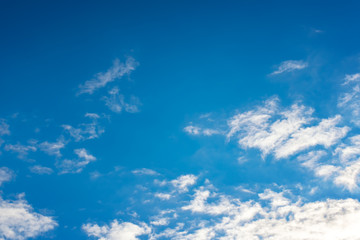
(116,102)
(4,127)
(349,100)
(41,170)
(145,171)
(351,78)
(289,66)
(21,150)
(194,130)
(85,131)
(101,79)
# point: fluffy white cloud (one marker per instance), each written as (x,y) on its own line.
(283,132)
(117,71)
(342,167)
(163,196)
(183,182)
(18,221)
(271,214)
(5,175)
(326,133)
(116,102)
(116,231)
(289,66)
(286,219)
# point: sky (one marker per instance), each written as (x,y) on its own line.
(126,120)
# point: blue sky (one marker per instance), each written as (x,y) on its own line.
(179,120)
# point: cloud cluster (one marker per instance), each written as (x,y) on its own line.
(281,131)
(18,221)
(270,214)
(282,219)
(322,145)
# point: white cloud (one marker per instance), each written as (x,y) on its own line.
(351,78)
(349,100)
(145,171)
(92,115)
(160,221)
(286,219)
(82,153)
(21,150)
(325,133)
(18,221)
(5,175)
(163,196)
(348,176)
(77,165)
(38,169)
(344,167)
(116,102)
(116,231)
(183,182)
(52,148)
(283,132)
(276,199)
(289,66)
(85,131)
(193,130)
(117,71)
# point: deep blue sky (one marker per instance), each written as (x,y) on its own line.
(194,58)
